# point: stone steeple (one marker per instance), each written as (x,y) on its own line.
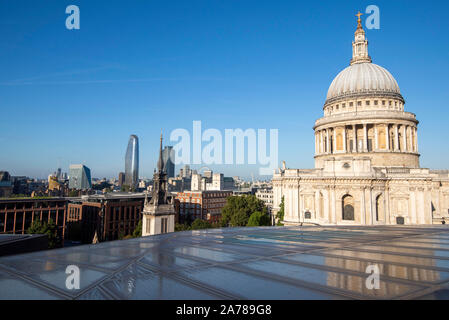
(360,44)
(160,187)
(159,212)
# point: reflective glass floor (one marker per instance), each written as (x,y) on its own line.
(242,263)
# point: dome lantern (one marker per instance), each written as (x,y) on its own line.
(360,44)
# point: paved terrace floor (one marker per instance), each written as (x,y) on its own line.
(242,263)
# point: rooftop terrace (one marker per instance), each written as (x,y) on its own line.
(242,263)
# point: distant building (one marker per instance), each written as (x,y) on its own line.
(179,184)
(168,156)
(266,195)
(211,181)
(121,179)
(17,215)
(58,174)
(205,205)
(6,186)
(185,172)
(53,182)
(104,217)
(132,162)
(79,177)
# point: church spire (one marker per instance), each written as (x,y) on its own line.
(160,163)
(360,44)
(160,187)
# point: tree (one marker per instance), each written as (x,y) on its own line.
(259,219)
(280,214)
(50,229)
(200,224)
(73,193)
(181,227)
(138,230)
(125,188)
(102,185)
(238,209)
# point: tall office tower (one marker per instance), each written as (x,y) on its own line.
(58,173)
(79,177)
(132,162)
(121,178)
(168,156)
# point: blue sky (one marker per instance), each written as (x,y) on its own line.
(134,67)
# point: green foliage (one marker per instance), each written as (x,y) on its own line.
(259,219)
(138,230)
(238,209)
(73,193)
(280,214)
(101,186)
(50,229)
(181,227)
(121,235)
(200,224)
(125,188)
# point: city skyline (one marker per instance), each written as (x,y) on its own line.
(192,69)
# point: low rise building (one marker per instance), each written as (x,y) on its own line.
(6,186)
(17,215)
(205,205)
(104,217)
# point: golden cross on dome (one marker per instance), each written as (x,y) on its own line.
(358,15)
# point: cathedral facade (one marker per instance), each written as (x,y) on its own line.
(367,168)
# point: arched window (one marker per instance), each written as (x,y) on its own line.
(348,207)
(380,207)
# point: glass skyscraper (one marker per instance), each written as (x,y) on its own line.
(168,157)
(132,162)
(79,177)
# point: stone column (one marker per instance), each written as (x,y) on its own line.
(365,138)
(413,205)
(376,141)
(387,134)
(321,142)
(416,139)
(415,147)
(332,204)
(410,146)
(396,138)
(344,139)
(363,208)
(334,140)
(405,139)
(327,141)
(354,138)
